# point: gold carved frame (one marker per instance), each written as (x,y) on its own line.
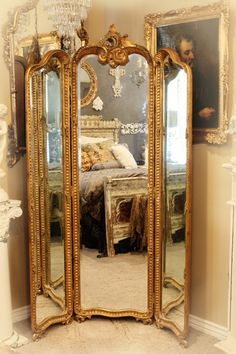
(93,84)
(218,11)
(50,41)
(46,41)
(113,50)
(15,20)
(38,190)
(166,57)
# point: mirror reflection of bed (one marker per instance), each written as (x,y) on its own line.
(113,192)
(113,219)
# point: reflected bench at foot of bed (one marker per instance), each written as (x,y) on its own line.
(119,194)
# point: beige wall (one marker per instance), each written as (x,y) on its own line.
(211,184)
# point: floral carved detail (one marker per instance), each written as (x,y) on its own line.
(113,50)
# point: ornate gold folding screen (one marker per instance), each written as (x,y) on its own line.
(88,255)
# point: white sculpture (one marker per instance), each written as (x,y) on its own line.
(9,209)
(117,73)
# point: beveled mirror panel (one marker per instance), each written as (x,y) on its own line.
(113,276)
(48,143)
(176,194)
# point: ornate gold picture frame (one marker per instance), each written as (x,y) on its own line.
(46,42)
(205,30)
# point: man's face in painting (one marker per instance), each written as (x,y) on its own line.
(186,51)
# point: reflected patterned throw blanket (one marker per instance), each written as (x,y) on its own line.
(138,223)
(91,188)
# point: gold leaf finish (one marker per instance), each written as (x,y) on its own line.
(168,57)
(38,193)
(113,50)
(93,84)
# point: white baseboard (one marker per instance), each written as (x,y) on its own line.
(197,323)
(21,314)
(208,327)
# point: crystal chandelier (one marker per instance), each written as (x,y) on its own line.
(67,15)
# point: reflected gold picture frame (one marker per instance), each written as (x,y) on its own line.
(46,41)
(210,62)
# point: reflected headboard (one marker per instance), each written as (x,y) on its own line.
(96,126)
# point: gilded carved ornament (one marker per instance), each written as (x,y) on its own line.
(113,48)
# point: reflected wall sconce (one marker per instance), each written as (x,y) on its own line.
(232,125)
(138,76)
(117,73)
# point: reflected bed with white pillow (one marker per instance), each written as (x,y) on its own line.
(101,158)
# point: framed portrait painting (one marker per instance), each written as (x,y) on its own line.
(199,36)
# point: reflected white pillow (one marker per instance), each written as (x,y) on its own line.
(91,140)
(124,156)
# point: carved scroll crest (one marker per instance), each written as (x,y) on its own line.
(113,48)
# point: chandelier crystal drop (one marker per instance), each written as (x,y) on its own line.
(67,15)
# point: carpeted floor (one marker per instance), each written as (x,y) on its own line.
(105,336)
(125,285)
(114,283)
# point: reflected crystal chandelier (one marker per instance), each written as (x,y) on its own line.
(67,15)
